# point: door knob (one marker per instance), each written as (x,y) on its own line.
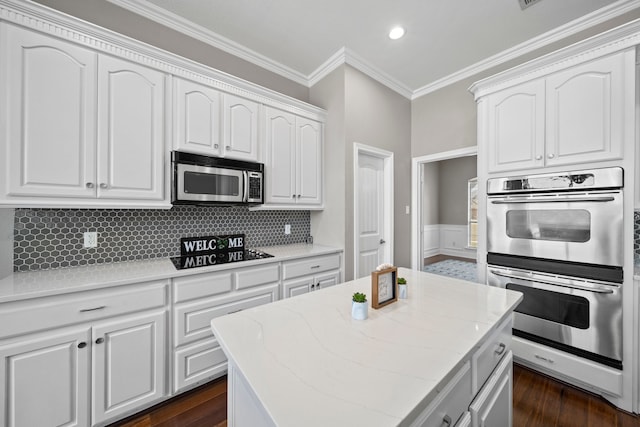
(382,241)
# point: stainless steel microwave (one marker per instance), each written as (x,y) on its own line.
(204,180)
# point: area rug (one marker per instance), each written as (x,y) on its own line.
(453,268)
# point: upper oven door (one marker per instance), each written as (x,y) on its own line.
(209,184)
(577,227)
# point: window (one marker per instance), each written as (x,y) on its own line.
(472,213)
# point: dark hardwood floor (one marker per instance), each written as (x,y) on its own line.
(538,401)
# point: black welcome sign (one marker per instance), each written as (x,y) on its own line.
(190,246)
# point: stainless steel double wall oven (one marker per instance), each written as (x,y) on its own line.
(558,239)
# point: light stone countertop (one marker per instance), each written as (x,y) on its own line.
(34,284)
(310,364)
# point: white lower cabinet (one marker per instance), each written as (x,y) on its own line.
(197,356)
(493,406)
(80,365)
(310,274)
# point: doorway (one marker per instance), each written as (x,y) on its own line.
(373,208)
(444,231)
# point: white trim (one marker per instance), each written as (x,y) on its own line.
(583,23)
(416,196)
(346,56)
(388,158)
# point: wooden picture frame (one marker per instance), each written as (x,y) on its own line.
(384,287)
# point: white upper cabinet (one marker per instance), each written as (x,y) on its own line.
(49,96)
(240,128)
(577,115)
(213,123)
(293,160)
(83,129)
(197,117)
(130,130)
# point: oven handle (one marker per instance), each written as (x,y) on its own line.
(553,283)
(553,200)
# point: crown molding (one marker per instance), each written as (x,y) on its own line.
(334,61)
(184,26)
(380,76)
(587,21)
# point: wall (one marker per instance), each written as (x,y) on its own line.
(6,242)
(53,238)
(430,193)
(379,117)
(452,203)
(328,226)
(108,15)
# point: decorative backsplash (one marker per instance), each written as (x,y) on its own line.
(53,238)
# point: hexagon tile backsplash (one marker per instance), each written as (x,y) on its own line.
(53,238)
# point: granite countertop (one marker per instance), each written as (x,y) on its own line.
(33,284)
(310,364)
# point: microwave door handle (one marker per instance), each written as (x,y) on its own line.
(554,200)
(596,290)
(245,193)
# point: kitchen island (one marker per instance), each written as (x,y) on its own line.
(425,360)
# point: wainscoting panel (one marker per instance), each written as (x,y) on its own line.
(446,239)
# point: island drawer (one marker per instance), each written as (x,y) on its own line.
(487,357)
(192,319)
(21,317)
(451,402)
(309,266)
(197,363)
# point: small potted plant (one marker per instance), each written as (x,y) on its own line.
(359,306)
(402,288)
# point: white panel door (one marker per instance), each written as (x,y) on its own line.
(128,364)
(309,159)
(280,164)
(586,111)
(49,105)
(516,127)
(240,125)
(197,118)
(44,380)
(130,130)
(370,199)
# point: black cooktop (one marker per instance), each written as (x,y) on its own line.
(192,261)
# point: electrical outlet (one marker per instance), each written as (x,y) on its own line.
(90,239)
(287,229)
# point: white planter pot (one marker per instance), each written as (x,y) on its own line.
(359,310)
(402,291)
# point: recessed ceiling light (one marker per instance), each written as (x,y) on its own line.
(396,33)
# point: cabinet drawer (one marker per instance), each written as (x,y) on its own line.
(308,266)
(27,316)
(487,357)
(192,319)
(255,276)
(450,403)
(201,285)
(197,363)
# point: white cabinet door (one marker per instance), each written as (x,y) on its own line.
(280,164)
(131,130)
(44,380)
(586,107)
(49,103)
(197,118)
(309,159)
(493,406)
(297,287)
(128,364)
(240,128)
(516,127)
(326,280)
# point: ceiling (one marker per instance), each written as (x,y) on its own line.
(304,40)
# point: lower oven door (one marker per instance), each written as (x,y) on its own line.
(574,315)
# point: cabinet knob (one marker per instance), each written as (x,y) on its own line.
(100,340)
(103,185)
(89,184)
(82,344)
(216,146)
(551,156)
(228,147)
(313,287)
(538,157)
(318,285)
(446,421)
